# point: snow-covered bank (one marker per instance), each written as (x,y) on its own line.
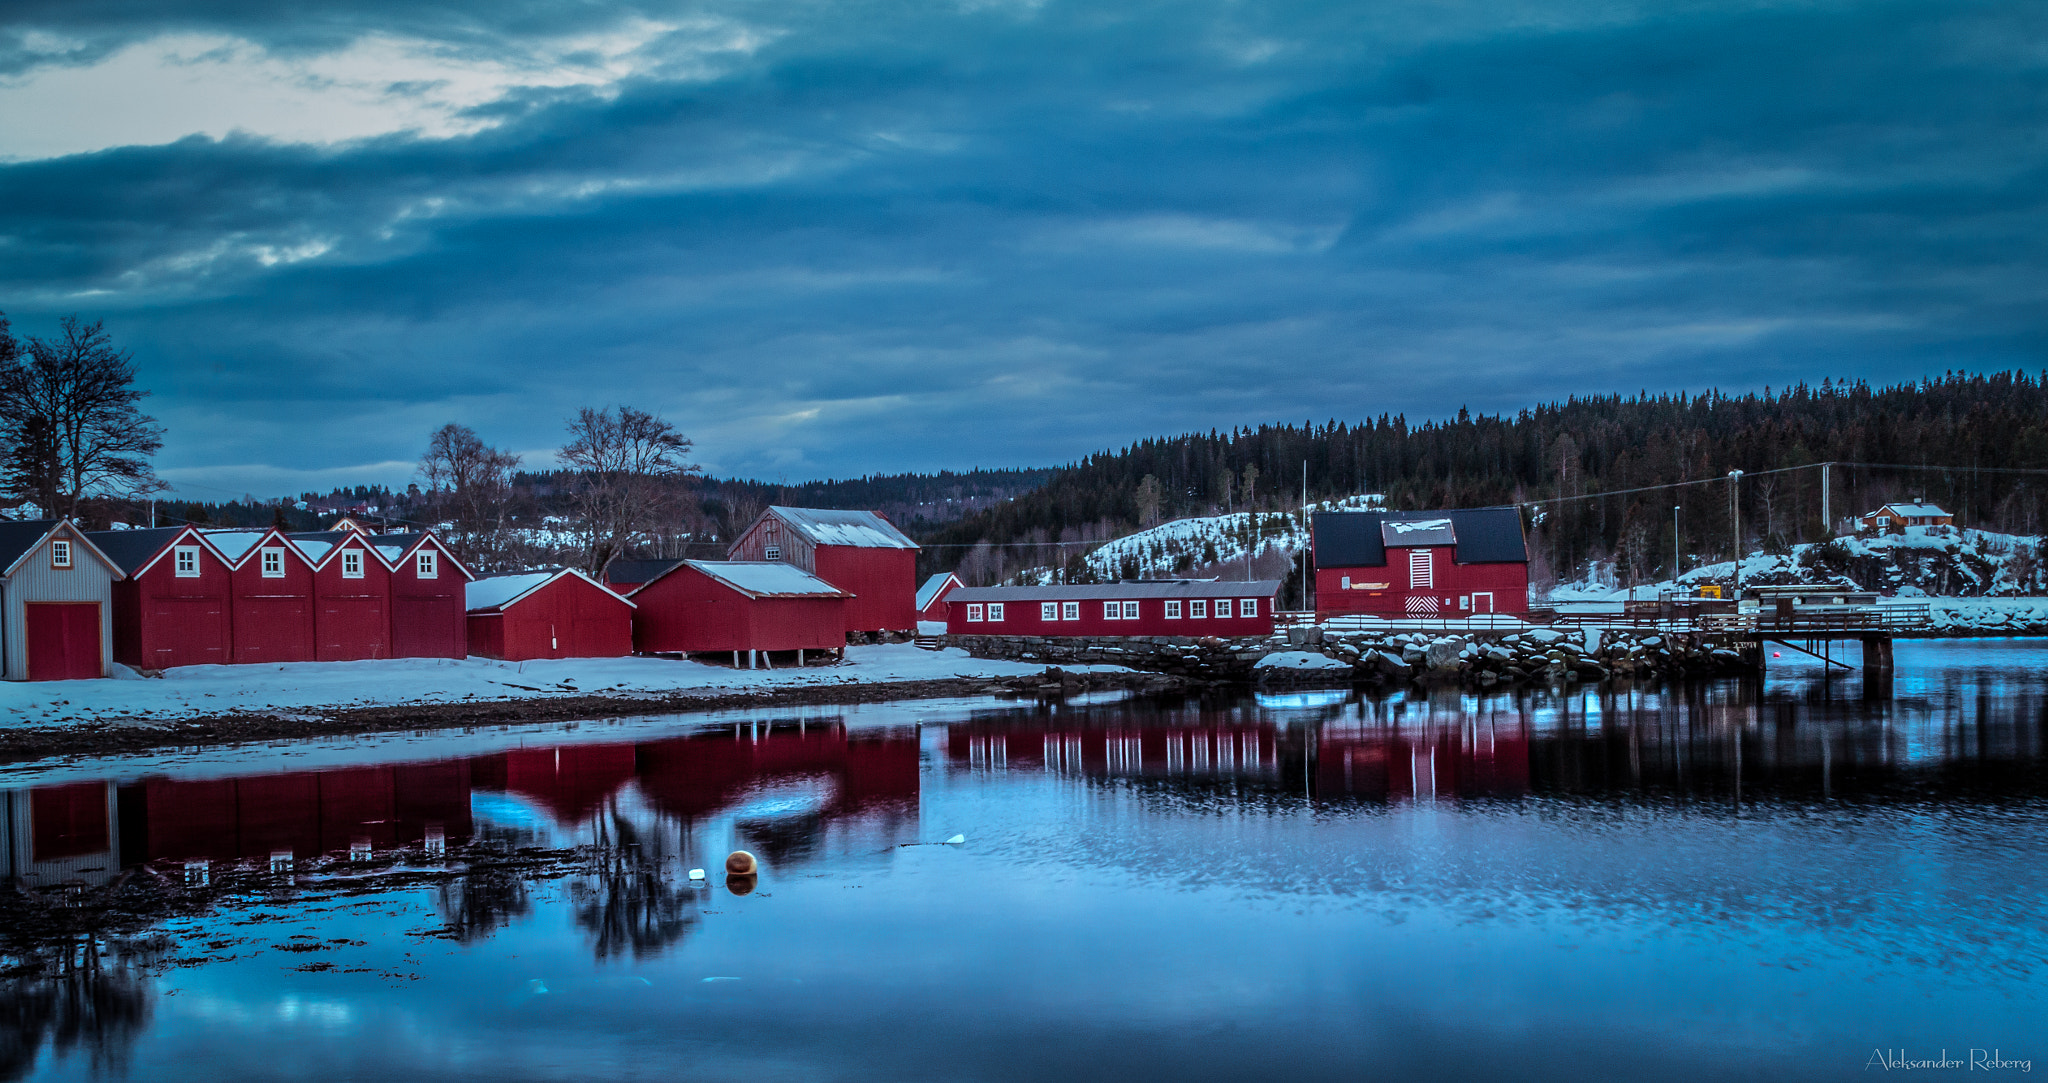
(202,691)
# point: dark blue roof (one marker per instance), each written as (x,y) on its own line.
(1352,539)
(131,549)
(20,536)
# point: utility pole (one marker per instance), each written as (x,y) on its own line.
(1735,523)
(1677,564)
(1827,518)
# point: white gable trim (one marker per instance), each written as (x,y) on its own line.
(499,609)
(72,534)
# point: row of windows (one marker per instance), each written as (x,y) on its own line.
(1059,611)
(185,563)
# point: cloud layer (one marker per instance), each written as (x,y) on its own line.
(854,237)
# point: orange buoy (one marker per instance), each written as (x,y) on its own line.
(741,885)
(741,863)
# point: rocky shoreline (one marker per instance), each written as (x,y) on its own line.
(1538,655)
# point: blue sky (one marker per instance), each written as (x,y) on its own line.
(853,237)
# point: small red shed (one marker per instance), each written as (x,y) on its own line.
(56,602)
(351,596)
(1145,607)
(559,614)
(728,605)
(931,598)
(174,608)
(857,551)
(1421,564)
(427,596)
(270,595)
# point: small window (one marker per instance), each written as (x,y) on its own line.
(1070,610)
(974,612)
(1130,611)
(1198,608)
(773,552)
(1048,611)
(185,561)
(995,611)
(1345,583)
(273,563)
(60,554)
(426,565)
(1112,611)
(1247,607)
(1173,609)
(352,564)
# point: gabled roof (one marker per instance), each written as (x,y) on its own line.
(234,545)
(637,571)
(319,546)
(933,587)
(20,538)
(860,529)
(1915,510)
(1127,590)
(392,549)
(497,593)
(133,551)
(1354,539)
(758,579)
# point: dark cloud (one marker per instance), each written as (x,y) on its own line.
(901,236)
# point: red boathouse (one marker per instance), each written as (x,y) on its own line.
(270,588)
(1148,607)
(857,551)
(174,607)
(931,598)
(351,596)
(427,596)
(1443,564)
(561,614)
(733,606)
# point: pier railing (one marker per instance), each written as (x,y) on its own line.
(1888,617)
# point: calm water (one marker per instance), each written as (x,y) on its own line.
(1605,884)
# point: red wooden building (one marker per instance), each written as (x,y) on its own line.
(427,596)
(1151,607)
(735,606)
(174,607)
(1421,564)
(857,551)
(56,602)
(351,596)
(270,595)
(931,598)
(560,614)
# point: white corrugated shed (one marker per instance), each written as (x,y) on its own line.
(766,578)
(498,590)
(862,529)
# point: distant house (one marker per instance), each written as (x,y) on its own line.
(349,522)
(1421,564)
(558,614)
(857,551)
(1161,607)
(56,602)
(174,608)
(931,598)
(738,606)
(1895,518)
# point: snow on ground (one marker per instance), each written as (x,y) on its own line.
(1301,660)
(300,686)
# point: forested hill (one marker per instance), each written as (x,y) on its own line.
(1979,427)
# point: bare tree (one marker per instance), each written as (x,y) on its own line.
(69,422)
(469,483)
(628,468)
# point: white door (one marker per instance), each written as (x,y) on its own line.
(1482,602)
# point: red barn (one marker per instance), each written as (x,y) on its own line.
(856,551)
(174,609)
(351,596)
(1421,564)
(427,596)
(56,602)
(931,598)
(270,595)
(561,614)
(1152,607)
(713,605)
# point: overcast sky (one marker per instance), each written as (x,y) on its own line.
(839,238)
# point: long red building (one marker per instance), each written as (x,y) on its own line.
(735,606)
(1421,564)
(857,551)
(428,603)
(1150,607)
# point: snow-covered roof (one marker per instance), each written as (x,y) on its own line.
(1915,510)
(862,529)
(767,578)
(234,544)
(932,587)
(494,592)
(1413,533)
(314,550)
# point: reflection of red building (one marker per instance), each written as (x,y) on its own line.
(702,774)
(1479,759)
(1218,748)
(571,782)
(306,812)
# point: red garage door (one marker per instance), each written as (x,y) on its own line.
(351,627)
(194,633)
(273,629)
(64,641)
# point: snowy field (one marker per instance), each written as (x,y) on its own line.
(190,691)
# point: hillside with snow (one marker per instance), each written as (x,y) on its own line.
(1922,562)
(1245,545)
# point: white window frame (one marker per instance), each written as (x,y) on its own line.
(60,554)
(1173,609)
(271,559)
(1198,608)
(1421,569)
(1112,611)
(1070,610)
(185,561)
(995,611)
(771,552)
(426,565)
(1247,607)
(351,563)
(974,612)
(1048,611)
(1130,611)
